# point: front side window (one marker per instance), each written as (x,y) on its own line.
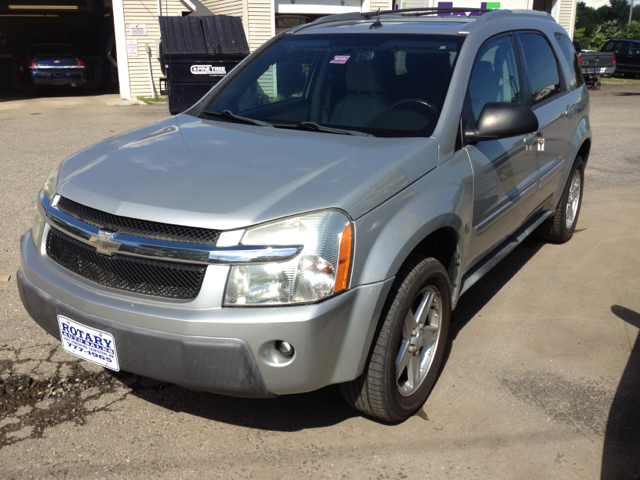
(494,78)
(386,85)
(542,67)
(572,58)
(634,49)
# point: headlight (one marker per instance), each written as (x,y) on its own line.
(37,225)
(321,269)
(52,182)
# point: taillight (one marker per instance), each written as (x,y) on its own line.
(32,63)
(613,59)
(81,63)
(580,59)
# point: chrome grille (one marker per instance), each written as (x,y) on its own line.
(148,277)
(135,227)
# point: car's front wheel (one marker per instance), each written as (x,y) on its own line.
(409,345)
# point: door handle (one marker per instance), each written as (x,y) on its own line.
(571,109)
(533,138)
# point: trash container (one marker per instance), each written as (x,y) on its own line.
(197,52)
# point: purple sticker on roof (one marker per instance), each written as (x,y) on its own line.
(340,59)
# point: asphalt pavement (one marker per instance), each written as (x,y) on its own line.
(541,378)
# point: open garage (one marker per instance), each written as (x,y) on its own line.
(87,25)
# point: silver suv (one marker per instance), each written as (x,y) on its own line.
(316,217)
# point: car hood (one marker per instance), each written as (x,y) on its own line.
(212,174)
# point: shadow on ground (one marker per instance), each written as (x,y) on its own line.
(488,286)
(54,92)
(324,407)
(621,451)
(288,413)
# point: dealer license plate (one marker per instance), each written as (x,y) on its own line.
(88,343)
(590,70)
(602,70)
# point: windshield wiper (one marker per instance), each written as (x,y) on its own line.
(238,118)
(314,127)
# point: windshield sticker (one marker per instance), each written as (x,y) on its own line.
(340,59)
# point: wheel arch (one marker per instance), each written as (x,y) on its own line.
(584,150)
(444,245)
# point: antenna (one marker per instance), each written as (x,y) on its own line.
(377,23)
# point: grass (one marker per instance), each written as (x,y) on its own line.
(618,79)
(149,100)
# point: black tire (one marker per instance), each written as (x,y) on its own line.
(377,392)
(555,229)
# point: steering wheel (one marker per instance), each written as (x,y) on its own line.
(433,110)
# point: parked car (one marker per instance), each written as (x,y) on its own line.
(55,64)
(595,65)
(627,54)
(324,235)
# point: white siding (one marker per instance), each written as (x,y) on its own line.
(224,7)
(566,16)
(235,8)
(261,22)
(381,4)
(146,12)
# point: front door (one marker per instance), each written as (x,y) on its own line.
(503,170)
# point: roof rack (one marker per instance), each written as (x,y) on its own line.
(404,11)
(416,12)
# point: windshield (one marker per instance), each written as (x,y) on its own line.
(386,85)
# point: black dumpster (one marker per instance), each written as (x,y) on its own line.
(197,52)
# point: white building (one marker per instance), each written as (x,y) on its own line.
(137,29)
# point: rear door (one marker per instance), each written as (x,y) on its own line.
(554,99)
(634,57)
(623,59)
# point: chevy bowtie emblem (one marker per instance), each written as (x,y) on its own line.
(56,61)
(104,243)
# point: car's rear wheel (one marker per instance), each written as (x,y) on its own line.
(560,227)
(409,346)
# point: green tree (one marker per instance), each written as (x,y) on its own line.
(604,32)
(586,20)
(631,31)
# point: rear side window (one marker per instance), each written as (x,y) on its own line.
(494,77)
(572,58)
(623,47)
(542,67)
(608,47)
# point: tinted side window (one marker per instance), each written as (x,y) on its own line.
(635,48)
(622,47)
(608,47)
(544,78)
(570,54)
(494,77)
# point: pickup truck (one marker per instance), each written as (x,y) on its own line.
(595,65)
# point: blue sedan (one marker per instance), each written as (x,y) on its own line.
(55,64)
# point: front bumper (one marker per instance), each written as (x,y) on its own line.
(201,345)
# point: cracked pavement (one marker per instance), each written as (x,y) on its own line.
(541,378)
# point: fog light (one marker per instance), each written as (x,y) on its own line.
(285,348)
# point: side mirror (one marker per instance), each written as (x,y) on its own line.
(576,45)
(501,120)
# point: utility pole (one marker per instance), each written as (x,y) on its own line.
(630,11)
